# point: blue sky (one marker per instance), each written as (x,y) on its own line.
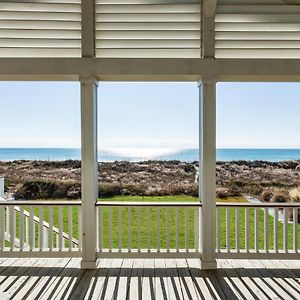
(155,115)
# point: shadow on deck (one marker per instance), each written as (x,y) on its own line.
(148,279)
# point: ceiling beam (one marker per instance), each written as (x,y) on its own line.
(172,69)
(88,28)
(209,8)
(208,28)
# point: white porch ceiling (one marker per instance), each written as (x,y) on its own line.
(151,28)
(238,40)
(257,29)
(40,28)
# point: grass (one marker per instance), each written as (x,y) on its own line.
(162,216)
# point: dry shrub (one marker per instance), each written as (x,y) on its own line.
(39,189)
(295,194)
(279,198)
(222,193)
(267,196)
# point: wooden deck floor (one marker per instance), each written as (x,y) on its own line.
(148,279)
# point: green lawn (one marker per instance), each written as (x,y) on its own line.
(163,221)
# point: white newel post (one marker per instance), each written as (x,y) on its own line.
(89,170)
(207,170)
(1,187)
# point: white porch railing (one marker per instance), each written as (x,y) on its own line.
(40,228)
(148,229)
(262,230)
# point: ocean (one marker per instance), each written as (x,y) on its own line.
(141,154)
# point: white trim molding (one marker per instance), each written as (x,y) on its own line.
(172,69)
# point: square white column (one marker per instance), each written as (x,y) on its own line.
(207,170)
(89,170)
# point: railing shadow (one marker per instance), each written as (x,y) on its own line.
(40,282)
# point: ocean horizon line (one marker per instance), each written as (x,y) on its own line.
(144,154)
(175,148)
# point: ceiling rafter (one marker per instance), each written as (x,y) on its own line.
(208,28)
(209,8)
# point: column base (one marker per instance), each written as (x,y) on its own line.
(89,264)
(209,265)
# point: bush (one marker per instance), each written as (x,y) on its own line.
(267,196)
(109,190)
(222,193)
(113,189)
(279,198)
(32,190)
(295,194)
(35,190)
(232,191)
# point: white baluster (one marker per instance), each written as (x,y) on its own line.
(41,228)
(228,229)
(2,228)
(12,227)
(186,227)
(27,230)
(295,229)
(237,229)
(148,228)
(177,229)
(247,225)
(139,228)
(276,229)
(158,228)
(218,243)
(196,229)
(110,228)
(256,229)
(285,230)
(80,229)
(46,236)
(100,228)
(60,228)
(129,229)
(31,230)
(70,229)
(168,229)
(51,241)
(266,228)
(120,228)
(21,227)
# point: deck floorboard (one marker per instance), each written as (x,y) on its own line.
(62,278)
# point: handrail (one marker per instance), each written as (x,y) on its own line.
(147,204)
(144,204)
(41,202)
(268,205)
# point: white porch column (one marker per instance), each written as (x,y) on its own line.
(89,170)
(207,170)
